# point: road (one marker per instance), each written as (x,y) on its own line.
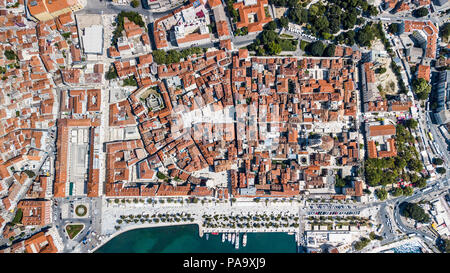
(438,186)
(91,222)
(387,17)
(423,115)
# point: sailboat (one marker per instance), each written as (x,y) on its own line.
(237,241)
(244,240)
(229,237)
(223,237)
(233,237)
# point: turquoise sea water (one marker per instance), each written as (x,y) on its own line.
(185,239)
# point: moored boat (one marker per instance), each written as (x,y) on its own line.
(229,237)
(244,240)
(233,237)
(237,241)
(223,237)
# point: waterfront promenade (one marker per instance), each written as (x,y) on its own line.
(112,212)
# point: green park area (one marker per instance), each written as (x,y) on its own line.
(73,230)
(406,166)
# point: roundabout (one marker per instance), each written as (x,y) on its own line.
(80,210)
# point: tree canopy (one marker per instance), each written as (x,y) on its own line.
(132,16)
(394,28)
(422,88)
(316,48)
(135,3)
(408,191)
(325,19)
(438,161)
(420,12)
(329,51)
(445,30)
(111,73)
(268,42)
(411,123)
(384,171)
(18,216)
(173,56)
(362,243)
(365,36)
(10,55)
(381,194)
(444,245)
(397,192)
(414,211)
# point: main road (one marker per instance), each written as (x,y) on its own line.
(437,187)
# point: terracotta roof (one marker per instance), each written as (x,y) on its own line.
(214,3)
(382,130)
(40,243)
(423,72)
(222,28)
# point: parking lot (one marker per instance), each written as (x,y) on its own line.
(333,210)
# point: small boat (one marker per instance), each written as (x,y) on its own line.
(229,237)
(207,236)
(223,237)
(290,233)
(214,233)
(244,240)
(237,241)
(233,237)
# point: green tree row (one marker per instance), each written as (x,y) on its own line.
(173,56)
(268,42)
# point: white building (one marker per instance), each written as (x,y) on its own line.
(93,39)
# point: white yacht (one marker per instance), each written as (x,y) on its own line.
(244,240)
(233,237)
(223,237)
(237,241)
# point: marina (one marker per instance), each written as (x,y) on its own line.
(186,239)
